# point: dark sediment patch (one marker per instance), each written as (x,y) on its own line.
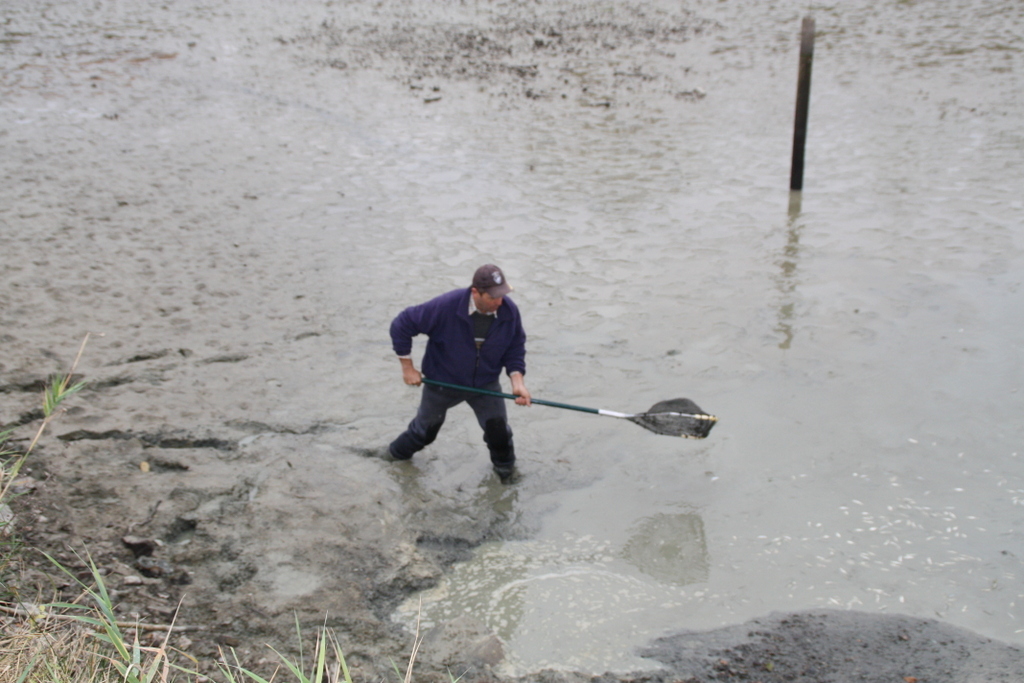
(830,646)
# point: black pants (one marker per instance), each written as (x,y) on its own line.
(434,404)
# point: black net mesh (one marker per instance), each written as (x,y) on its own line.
(677,417)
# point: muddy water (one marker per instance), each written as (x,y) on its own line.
(861,346)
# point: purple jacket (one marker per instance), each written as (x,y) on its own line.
(451,354)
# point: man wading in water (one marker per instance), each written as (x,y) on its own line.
(472,334)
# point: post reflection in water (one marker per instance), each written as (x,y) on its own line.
(788,264)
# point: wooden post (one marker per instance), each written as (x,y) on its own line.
(803,100)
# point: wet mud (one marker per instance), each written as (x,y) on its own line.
(833,646)
(166,177)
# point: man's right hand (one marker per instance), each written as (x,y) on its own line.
(410,375)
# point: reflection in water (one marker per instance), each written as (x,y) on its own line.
(467,514)
(796,198)
(787,281)
(670,548)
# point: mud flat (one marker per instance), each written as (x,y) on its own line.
(200,187)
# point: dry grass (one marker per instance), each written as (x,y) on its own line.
(52,653)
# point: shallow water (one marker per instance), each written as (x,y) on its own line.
(860,347)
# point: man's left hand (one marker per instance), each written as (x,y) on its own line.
(520,390)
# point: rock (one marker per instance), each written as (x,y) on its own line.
(23,485)
(140,546)
(462,641)
(6,518)
(412,570)
(153,568)
(228,641)
(163,610)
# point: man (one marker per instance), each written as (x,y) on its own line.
(473,334)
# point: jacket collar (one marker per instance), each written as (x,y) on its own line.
(464,307)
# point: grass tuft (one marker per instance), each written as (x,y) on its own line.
(59,388)
(322,670)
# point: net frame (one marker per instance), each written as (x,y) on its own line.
(676,417)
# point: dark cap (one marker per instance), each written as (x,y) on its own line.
(491,280)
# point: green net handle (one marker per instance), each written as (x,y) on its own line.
(499,394)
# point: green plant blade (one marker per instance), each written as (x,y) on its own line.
(296,671)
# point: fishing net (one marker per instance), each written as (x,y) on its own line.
(676,417)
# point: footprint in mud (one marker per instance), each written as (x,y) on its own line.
(378,453)
(159,440)
(224,358)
